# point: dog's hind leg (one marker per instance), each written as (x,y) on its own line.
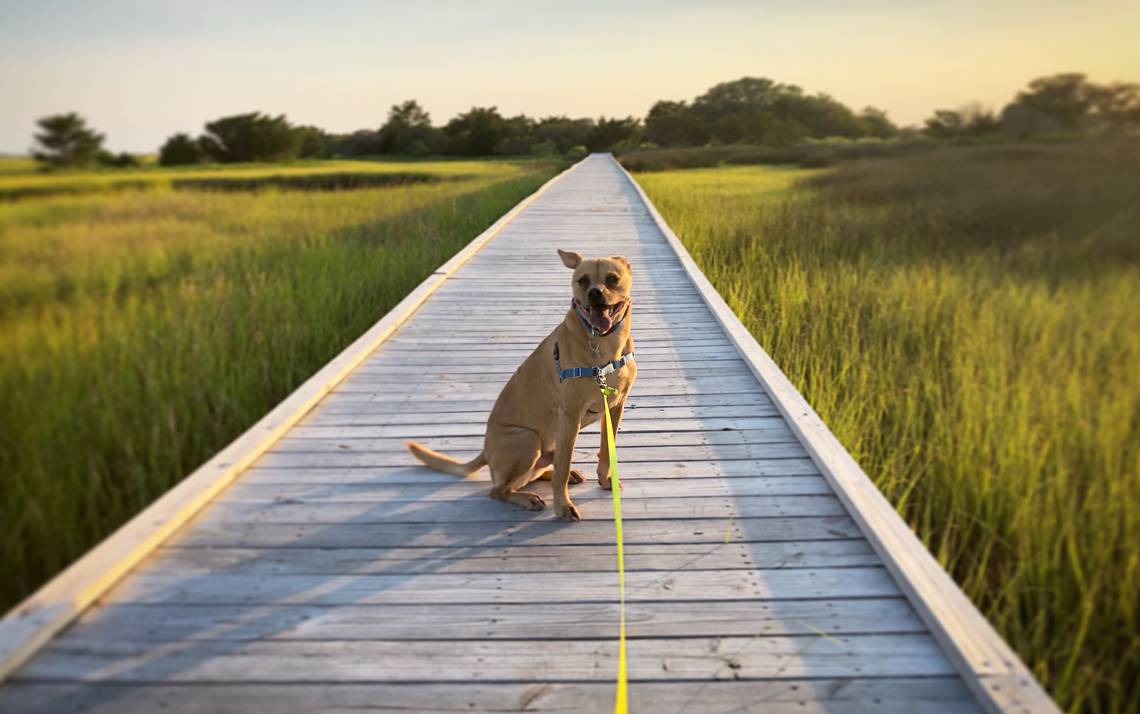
(512,460)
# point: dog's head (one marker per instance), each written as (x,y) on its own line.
(601,287)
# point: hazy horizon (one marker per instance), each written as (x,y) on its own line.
(139,72)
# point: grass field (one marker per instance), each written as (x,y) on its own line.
(19,180)
(967,321)
(143,330)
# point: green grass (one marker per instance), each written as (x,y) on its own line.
(142,331)
(20,181)
(967,321)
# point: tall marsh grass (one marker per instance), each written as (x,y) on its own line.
(967,321)
(141,332)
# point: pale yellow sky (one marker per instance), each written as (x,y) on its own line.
(141,70)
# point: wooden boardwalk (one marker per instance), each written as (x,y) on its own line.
(337,574)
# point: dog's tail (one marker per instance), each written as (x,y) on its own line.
(446,464)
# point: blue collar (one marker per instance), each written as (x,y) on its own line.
(590,328)
(598,373)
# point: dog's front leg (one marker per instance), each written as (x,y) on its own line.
(568,425)
(604,455)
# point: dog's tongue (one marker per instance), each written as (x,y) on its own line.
(600,319)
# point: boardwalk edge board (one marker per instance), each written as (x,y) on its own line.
(994,673)
(34,622)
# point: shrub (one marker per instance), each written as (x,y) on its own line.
(577,153)
(65,141)
(181,150)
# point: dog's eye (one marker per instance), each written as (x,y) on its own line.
(584,281)
(612,280)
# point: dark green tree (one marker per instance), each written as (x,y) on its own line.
(673,124)
(608,133)
(122,160)
(1066,98)
(519,137)
(313,142)
(65,141)
(565,133)
(476,132)
(408,131)
(876,123)
(362,142)
(1116,106)
(251,137)
(945,124)
(181,150)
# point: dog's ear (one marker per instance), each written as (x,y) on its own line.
(621,259)
(570,259)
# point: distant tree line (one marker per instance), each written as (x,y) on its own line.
(1059,104)
(759,111)
(751,110)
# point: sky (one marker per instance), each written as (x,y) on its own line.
(141,70)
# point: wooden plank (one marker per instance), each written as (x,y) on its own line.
(148,587)
(541,530)
(577,620)
(582,455)
(478,371)
(446,388)
(414,473)
(733,658)
(474,426)
(640,419)
(976,649)
(478,507)
(925,695)
(287,489)
(512,559)
(773,432)
(391,402)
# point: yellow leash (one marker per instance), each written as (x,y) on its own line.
(621,699)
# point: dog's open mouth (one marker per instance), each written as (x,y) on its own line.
(603,317)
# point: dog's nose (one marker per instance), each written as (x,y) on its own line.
(595,294)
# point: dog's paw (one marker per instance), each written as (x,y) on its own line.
(533,502)
(606,483)
(568,512)
(576,477)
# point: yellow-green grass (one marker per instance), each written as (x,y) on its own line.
(16,181)
(142,331)
(16,165)
(968,324)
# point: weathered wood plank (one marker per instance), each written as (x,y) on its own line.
(171,624)
(636,418)
(475,423)
(478,507)
(540,531)
(287,489)
(512,559)
(768,433)
(478,661)
(390,402)
(444,386)
(583,454)
(926,695)
(412,473)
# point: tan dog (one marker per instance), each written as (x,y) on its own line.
(537,417)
